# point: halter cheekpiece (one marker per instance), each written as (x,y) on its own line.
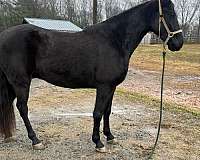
(162,20)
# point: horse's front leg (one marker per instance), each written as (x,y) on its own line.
(106,127)
(103,96)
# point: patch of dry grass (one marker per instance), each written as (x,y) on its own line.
(153,102)
(186,61)
(57,96)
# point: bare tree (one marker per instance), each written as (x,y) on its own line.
(198,27)
(187,11)
(70,10)
(94,11)
(112,7)
(85,13)
(99,10)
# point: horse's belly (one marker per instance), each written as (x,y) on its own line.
(69,81)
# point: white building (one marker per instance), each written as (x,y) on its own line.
(50,24)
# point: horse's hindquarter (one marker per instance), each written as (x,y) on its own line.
(79,60)
(17,55)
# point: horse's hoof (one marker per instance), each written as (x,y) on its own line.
(101,150)
(39,146)
(113,142)
(10,139)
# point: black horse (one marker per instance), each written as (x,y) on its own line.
(98,57)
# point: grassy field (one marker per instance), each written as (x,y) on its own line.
(184,62)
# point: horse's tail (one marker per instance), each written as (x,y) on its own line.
(7,116)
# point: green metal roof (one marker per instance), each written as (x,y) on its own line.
(59,25)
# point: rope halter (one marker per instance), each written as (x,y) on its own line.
(162,20)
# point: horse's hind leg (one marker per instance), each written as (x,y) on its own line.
(104,94)
(22,93)
(106,127)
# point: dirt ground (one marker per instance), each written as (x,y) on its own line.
(63,120)
(183,90)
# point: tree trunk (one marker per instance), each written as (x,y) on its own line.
(199,31)
(94,11)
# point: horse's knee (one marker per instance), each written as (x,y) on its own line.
(97,115)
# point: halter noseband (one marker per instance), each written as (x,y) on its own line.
(162,20)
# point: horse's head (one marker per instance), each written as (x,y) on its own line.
(166,16)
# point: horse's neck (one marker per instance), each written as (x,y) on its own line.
(129,28)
